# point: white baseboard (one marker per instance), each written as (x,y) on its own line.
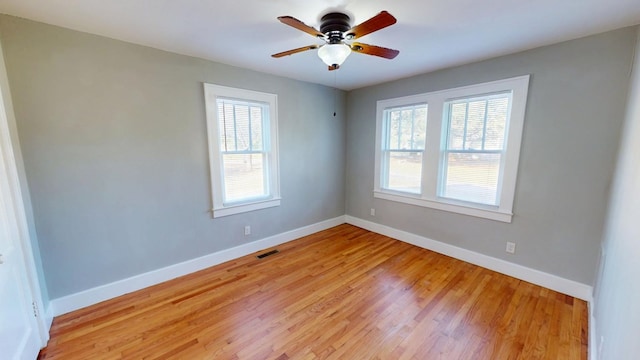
(95,295)
(553,282)
(48,317)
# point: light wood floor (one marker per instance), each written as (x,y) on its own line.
(344,293)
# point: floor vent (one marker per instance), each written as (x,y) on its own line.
(268,253)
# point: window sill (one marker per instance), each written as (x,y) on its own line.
(242,208)
(485,213)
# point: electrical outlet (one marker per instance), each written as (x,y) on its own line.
(373,212)
(511,247)
(247,230)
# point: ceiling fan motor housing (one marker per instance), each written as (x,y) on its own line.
(334,26)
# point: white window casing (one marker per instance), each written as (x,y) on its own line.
(434,192)
(243,149)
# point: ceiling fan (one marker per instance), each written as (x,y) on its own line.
(336,31)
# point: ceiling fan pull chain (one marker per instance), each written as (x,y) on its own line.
(335,93)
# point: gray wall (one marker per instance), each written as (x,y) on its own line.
(617,315)
(575,110)
(114,145)
(115,150)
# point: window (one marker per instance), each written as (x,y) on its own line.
(464,159)
(242,131)
(403,147)
(474,148)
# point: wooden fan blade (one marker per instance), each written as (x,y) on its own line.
(380,21)
(374,50)
(291,21)
(294,51)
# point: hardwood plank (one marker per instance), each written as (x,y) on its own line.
(343,293)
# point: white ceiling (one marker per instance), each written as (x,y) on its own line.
(430,34)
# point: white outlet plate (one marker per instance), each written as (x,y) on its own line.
(511,247)
(247,230)
(373,212)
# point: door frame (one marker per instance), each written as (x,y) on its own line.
(11,154)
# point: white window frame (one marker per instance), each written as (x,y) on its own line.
(385,146)
(220,208)
(436,142)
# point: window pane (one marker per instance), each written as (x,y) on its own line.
(478,124)
(419,127)
(393,130)
(240,125)
(226,125)
(475,125)
(256,128)
(472,177)
(243,177)
(457,120)
(496,123)
(404,171)
(406,127)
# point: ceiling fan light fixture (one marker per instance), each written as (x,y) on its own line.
(334,54)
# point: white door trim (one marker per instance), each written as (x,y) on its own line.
(9,139)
